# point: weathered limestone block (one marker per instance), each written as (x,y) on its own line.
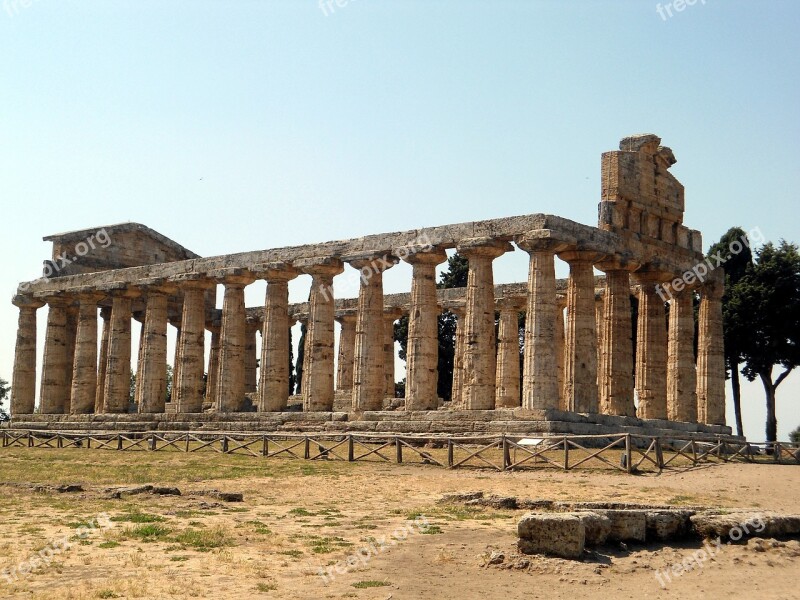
(710,356)
(744,524)
(651,349)
(668,524)
(626,525)
(681,380)
(479,364)
(84,373)
(598,527)
(562,535)
(422,349)
(23,383)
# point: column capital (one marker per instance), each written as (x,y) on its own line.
(510,303)
(650,278)
(159,289)
(60,299)
(347,317)
(375,261)
(617,262)
(22,301)
(713,290)
(193,281)
(122,291)
(393,313)
(232,277)
(581,256)
(484,246)
(275,271)
(89,297)
(542,240)
(434,256)
(320,266)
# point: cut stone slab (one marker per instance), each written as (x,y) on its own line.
(459,497)
(562,535)
(742,525)
(598,527)
(668,524)
(626,525)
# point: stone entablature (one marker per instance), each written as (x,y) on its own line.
(578,333)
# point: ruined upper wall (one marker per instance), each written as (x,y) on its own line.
(110,247)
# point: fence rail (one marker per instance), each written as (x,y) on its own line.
(625,452)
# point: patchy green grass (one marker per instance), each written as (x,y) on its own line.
(150,532)
(108,544)
(370,583)
(266,587)
(137,517)
(203,540)
(432,530)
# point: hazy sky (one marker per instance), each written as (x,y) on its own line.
(241,125)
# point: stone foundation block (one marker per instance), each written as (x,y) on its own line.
(561,535)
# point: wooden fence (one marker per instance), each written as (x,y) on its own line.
(625,452)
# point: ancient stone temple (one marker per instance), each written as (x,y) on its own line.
(587,366)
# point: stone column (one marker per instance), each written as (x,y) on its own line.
(318,361)
(599,299)
(369,355)
(151,389)
(540,373)
(72,336)
(84,370)
(23,382)
(651,349)
(681,378)
(710,356)
(118,366)
(251,356)
(422,349)
(457,396)
(560,345)
(175,321)
(580,357)
(187,375)
(213,364)
(275,369)
(54,391)
(479,334)
(230,386)
(347,343)
(390,315)
(99,397)
(507,386)
(616,357)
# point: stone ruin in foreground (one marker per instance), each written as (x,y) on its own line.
(578,373)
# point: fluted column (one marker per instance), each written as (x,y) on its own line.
(275,369)
(389,317)
(344,361)
(560,347)
(422,349)
(479,334)
(580,356)
(681,378)
(84,370)
(230,386)
(102,361)
(318,364)
(213,364)
(710,356)
(540,372)
(507,385)
(72,336)
(151,389)
(616,357)
(23,382)
(651,350)
(54,391)
(369,355)
(118,365)
(251,357)
(187,376)
(175,321)
(457,396)
(599,300)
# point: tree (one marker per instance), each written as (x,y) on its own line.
(454,277)
(4,390)
(794,436)
(734,329)
(168,397)
(767,299)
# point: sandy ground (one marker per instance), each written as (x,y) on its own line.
(298,521)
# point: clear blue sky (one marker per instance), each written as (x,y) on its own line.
(240,125)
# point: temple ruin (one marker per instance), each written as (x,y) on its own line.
(581,371)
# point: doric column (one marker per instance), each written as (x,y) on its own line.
(23,382)
(251,356)
(213,363)
(118,365)
(175,321)
(580,356)
(710,356)
(151,388)
(560,345)
(187,375)
(347,343)
(616,357)
(72,336)
(84,370)
(457,396)
(54,392)
(479,334)
(422,349)
(599,299)
(317,385)
(540,385)
(139,317)
(651,349)
(681,379)
(230,386)
(275,369)
(507,385)
(390,315)
(369,355)
(102,361)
